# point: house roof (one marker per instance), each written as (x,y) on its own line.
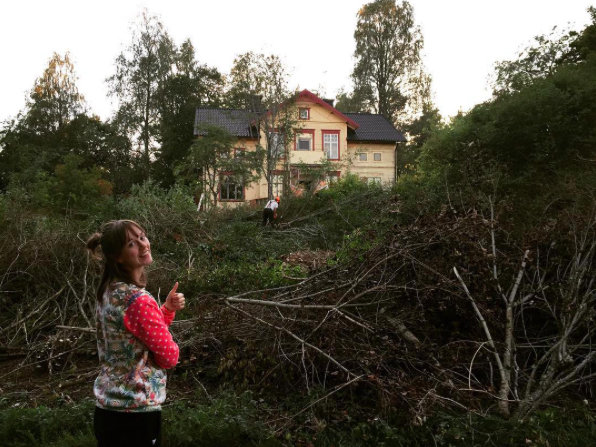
(373,127)
(361,126)
(236,122)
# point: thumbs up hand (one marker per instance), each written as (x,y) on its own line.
(175,301)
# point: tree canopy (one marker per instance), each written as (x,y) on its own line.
(388,66)
(141,71)
(533,145)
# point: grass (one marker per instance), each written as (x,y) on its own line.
(237,420)
(230,420)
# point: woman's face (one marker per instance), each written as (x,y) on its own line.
(136,253)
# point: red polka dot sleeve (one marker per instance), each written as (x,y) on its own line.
(147,322)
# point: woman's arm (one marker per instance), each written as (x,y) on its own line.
(144,319)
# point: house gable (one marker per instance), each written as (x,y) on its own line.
(306,96)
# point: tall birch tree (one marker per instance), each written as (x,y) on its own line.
(388,68)
(141,70)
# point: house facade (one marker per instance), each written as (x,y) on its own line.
(359,143)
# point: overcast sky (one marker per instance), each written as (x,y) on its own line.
(314,38)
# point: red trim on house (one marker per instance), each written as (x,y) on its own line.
(307,113)
(278,171)
(302,131)
(305,94)
(330,132)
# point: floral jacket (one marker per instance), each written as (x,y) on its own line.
(135,346)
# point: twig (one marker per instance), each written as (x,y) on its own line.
(291,334)
(312,404)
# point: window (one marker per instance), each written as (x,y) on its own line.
(373,180)
(304,114)
(277,145)
(231,188)
(332,177)
(377,156)
(277,182)
(304,140)
(362,156)
(239,152)
(331,144)
(304,144)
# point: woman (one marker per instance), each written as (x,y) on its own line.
(134,343)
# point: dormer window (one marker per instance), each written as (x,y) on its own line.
(304,113)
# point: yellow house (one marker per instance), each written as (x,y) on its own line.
(363,144)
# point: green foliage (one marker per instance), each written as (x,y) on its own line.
(78,188)
(388,45)
(61,426)
(228,420)
(237,420)
(52,130)
(214,156)
(70,188)
(547,428)
(418,132)
(162,212)
(54,99)
(584,45)
(256,76)
(531,147)
(140,72)
(350,102)
(533,63)
(192,85)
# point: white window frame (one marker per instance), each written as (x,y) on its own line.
(277,184)
(278,150)
(306,112)
(237,186)
(328,145)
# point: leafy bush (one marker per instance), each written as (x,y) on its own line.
(70,188)
(531,148)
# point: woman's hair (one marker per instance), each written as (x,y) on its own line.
(112,238)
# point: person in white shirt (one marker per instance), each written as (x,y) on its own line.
(270,211)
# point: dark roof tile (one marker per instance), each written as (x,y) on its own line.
(373,127)
(236,122)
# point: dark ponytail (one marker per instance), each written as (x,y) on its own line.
(93,242)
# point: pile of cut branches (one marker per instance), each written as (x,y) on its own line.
(446,310)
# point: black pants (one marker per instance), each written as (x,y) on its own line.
(118,429)
(267,216)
